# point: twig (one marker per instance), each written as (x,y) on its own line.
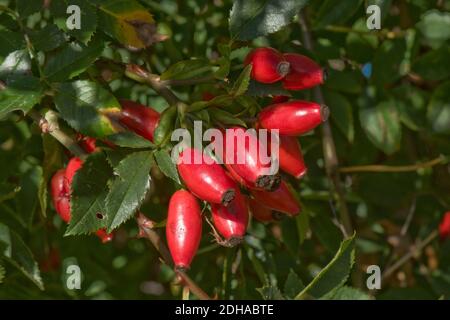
(329,148)
(135,72)
(145,225)
(49,124)
(412,253)
(187,82)
(385,168)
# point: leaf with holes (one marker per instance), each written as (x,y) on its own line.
(129,188)
(89,191)
(250,19)
(88,108)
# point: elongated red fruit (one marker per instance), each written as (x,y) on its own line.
(183,228)
(88,144)
(444,227)
(259,211)
(281,199)
(140,119)
(205,178)
(304,73)
(294,117)
(291,157)
(268,65)
(242,156)
(104,236)
(231,221)
(61,195)
(72,167)
(60,190)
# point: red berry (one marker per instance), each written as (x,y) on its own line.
(140,119)
(206,179)
(72,167)
(231,221)
(291,157)
(294,117)
(268,65)
(61,195)
(304,73)
(282,199)
(259,211)
(207,96)
(87,143)
(244,160)
(280,99)
(183,228)
(444,227)
(104,236)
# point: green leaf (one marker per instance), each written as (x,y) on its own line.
(27,7)
(345,81)
(2,273)
(224,100)
(435,26)
(336,12)
(341,113)
(361,46)
(302,221)
(72,60)
(187,69)
(88,18)
(166,165)
(129,188)
(130,139)
(224,117)
(85,105)
(27,199)
(128,22)
(16,63)
(334,274)
(242,82)
(21,93)
(259,89)
(270,292)
(439,109)
(19,255)
(433,65)
(11,41)
(293,285)
(382,126)
(348,293)
(250,19)
(89,191)
(48,38)
(387,62)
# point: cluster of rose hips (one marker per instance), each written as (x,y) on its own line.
(266,197)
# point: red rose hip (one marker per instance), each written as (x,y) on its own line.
(242,156)
(293,118)
(183,228)
(140,119)
(268,65)
(262,213)
(282,199)
(231,221)
(60,195)
(304,73)
(444,227)
(205,179)
(291,157)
